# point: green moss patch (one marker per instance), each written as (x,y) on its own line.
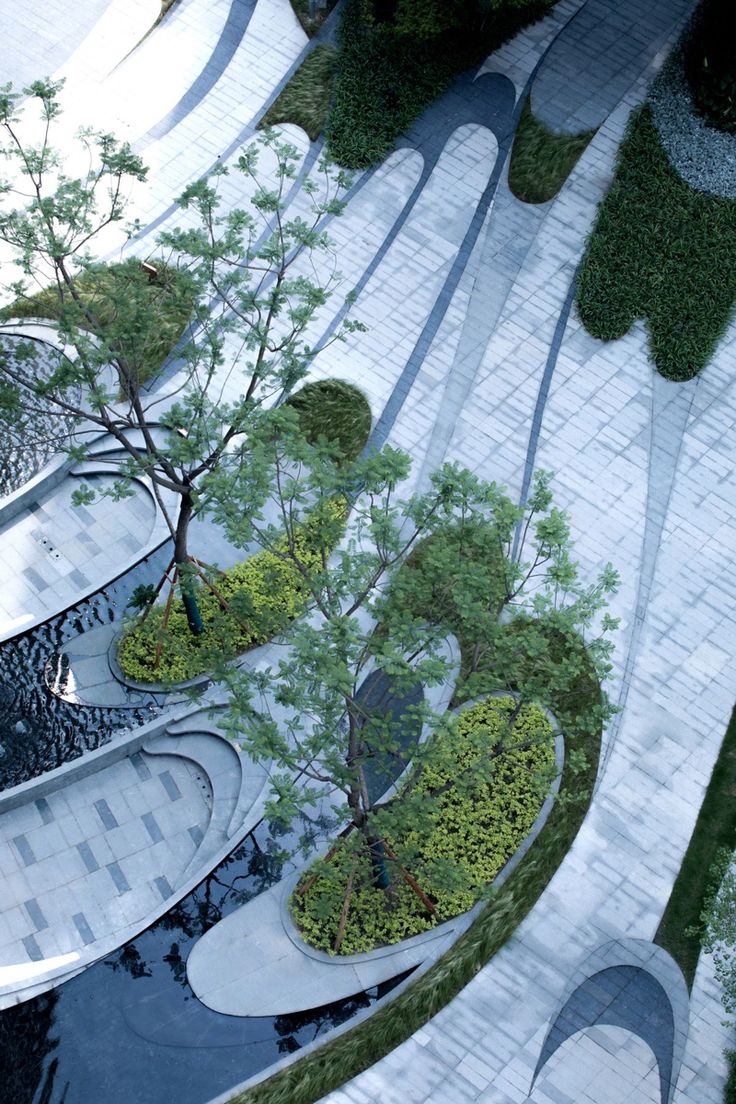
(541,160)
(305,100)
(474,828)
(663,252)
(150,317)
(263,594)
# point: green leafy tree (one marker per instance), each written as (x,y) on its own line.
(245,276)
(374,606)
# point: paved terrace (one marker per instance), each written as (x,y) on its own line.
(650,485)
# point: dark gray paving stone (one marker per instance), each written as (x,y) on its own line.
(35,914)
(33,950)
(87,857)
(162,885)
(45,810)
(105,814)
(170,786)
(141,769)
(152,827)
(118,877)
(25,850)
(80,921)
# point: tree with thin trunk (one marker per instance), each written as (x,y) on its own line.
(249,280)
(374,609)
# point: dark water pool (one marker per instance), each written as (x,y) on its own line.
(39,731)
(129,1029)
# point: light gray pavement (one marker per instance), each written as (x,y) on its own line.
(94,852)
(597,58)
(596,434)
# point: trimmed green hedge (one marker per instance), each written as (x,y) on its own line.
(158,313)
(661,251)
(305,100)
(264,593)
(542,160)
(385,79)
(475,828)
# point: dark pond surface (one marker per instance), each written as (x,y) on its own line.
(129,1029)
(39,731)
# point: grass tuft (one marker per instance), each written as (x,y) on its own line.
(541,160)
(336,411)
(305,100)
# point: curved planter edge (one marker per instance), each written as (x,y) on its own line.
(43,982)
(446,926)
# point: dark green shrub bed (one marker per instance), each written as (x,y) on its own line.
(663,252)
(387,75)
(710,62)
(541,160)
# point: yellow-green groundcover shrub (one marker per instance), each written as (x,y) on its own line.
(264,593)
(474,827)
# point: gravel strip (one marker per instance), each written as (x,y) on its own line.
(704,157)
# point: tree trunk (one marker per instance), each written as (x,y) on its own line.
(359,802)
(186,575)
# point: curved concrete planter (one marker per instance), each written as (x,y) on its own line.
(183,734)
(255,962)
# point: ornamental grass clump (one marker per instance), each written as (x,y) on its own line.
(477,796)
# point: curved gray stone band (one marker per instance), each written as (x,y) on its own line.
(633,984)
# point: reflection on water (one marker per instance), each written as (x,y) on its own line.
(129,1029)
(39,731)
